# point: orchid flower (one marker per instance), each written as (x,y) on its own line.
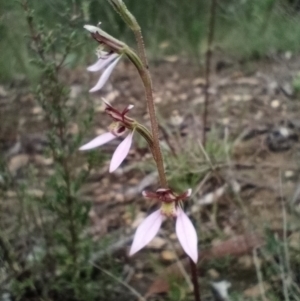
(121,124)
(170,207)
(107,60)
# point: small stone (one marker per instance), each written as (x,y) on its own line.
(43,160)
(294,240)
(237,98)
(198,100)
(119,197)
(35,193)
(246,262)
(255,291)
(288,55)
(176,119)
(18,162)
(99,132)
(11,194)
(138,275)
(156,243)
(199,81)
(157,99)
(246,97)
(284,131)
(75,90)
(100,108)
(168,255)
(251,81)
(3,92)
(183,96)
(213,274)
(275,103)
(173,236)
(73,129)
(164,44)
(37,111)
(226,121)
(171,58)
(288,174)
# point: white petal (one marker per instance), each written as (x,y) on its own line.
(102,63)
(187,235)
(121,152)
(146,231)
(91,28)
(105,75)
(98,141)
(189,192)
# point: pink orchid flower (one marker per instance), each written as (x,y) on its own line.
(107,61)
(120,126)
(185,230)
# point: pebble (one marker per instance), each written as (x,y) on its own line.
(294,240)
(3,92)
(255,291)
(275,103)
(213,274)
(288,174)
(18,162)
(246,261)
(176,119)
(75,90)
(156,243)
(198,100)
(199,81)
(168,255)
(119,197)
(173,236)
(35,192)
(37,110)
(11,194)
(171,58)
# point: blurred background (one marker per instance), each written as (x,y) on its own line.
(244,29)
(66,224)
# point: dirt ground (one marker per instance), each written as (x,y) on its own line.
(253,171)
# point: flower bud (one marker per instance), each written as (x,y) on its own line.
(104,38)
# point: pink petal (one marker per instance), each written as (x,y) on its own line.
(121,152)
(102,63)
(105,75)
(146,231)
(187,235)
(98,141)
